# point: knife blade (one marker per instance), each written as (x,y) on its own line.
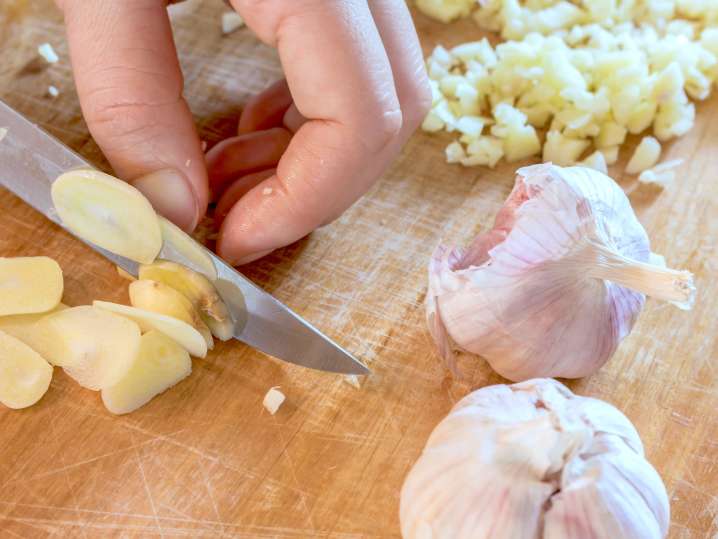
(31,159)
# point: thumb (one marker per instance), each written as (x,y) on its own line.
(130,87)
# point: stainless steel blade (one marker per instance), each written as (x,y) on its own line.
(31,159)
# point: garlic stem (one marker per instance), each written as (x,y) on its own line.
(655,281)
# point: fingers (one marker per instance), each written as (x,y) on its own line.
(266,109)
(237,156)
(237,190)
(130,88)
(341,81)
(293,119)
(402,45)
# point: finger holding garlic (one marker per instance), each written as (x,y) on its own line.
(533,460)
(558,282)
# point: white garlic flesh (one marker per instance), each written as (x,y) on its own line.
(558,282)
(533,460)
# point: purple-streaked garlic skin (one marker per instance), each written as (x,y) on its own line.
(520,295)
(533,460)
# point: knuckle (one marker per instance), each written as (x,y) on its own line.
(121,124)
(386,127)
(418,104)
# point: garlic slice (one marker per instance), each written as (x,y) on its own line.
(558,282)
(533,460)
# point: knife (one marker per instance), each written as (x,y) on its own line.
(31,159)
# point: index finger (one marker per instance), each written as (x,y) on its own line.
(341,81)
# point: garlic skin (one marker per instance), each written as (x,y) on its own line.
(558,282)
(532,460)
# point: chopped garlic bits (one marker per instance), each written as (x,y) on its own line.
(48,53)
(646,155)
(587,87)
(273,400)
(514,19)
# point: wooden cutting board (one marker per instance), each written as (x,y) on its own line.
(206,460)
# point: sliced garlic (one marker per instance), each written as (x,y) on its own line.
(161,363)
(24,375)
(198,289)
(184,334)
(29,285)
(109,213)
(533,460)
(558,282)
(29,329)
(93,346)
(163,299)
(192,253)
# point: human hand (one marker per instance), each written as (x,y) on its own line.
(359,90)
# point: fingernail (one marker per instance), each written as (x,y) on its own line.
(251,257)
(171,195)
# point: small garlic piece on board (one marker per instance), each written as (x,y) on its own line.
(161,363)
(24,375)
(231,21)
(273,400)
(558,282)
(48,53)
(29,285)
(533,460)
(109,213)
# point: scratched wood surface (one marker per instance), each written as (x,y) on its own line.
(206,460)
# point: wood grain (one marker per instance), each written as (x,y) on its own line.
(205,459)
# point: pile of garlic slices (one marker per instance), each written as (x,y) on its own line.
(129,353)
(533,460)
(573,80)
(558,282)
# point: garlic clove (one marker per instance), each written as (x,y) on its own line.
(556,285)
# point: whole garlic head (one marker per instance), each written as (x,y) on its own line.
(558,282)
(532,460)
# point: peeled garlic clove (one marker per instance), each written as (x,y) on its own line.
(93,346)
(558,282)
(533,460)
(198,289)
(24,375)
(184,334)
(162,299)
(109,213)
(29,285)
(161,363)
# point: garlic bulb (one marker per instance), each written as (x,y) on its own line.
(532,460)
(558,282)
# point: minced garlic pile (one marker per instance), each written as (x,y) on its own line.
(588,74)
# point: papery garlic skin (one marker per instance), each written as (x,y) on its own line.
(533,296)
(532,460)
